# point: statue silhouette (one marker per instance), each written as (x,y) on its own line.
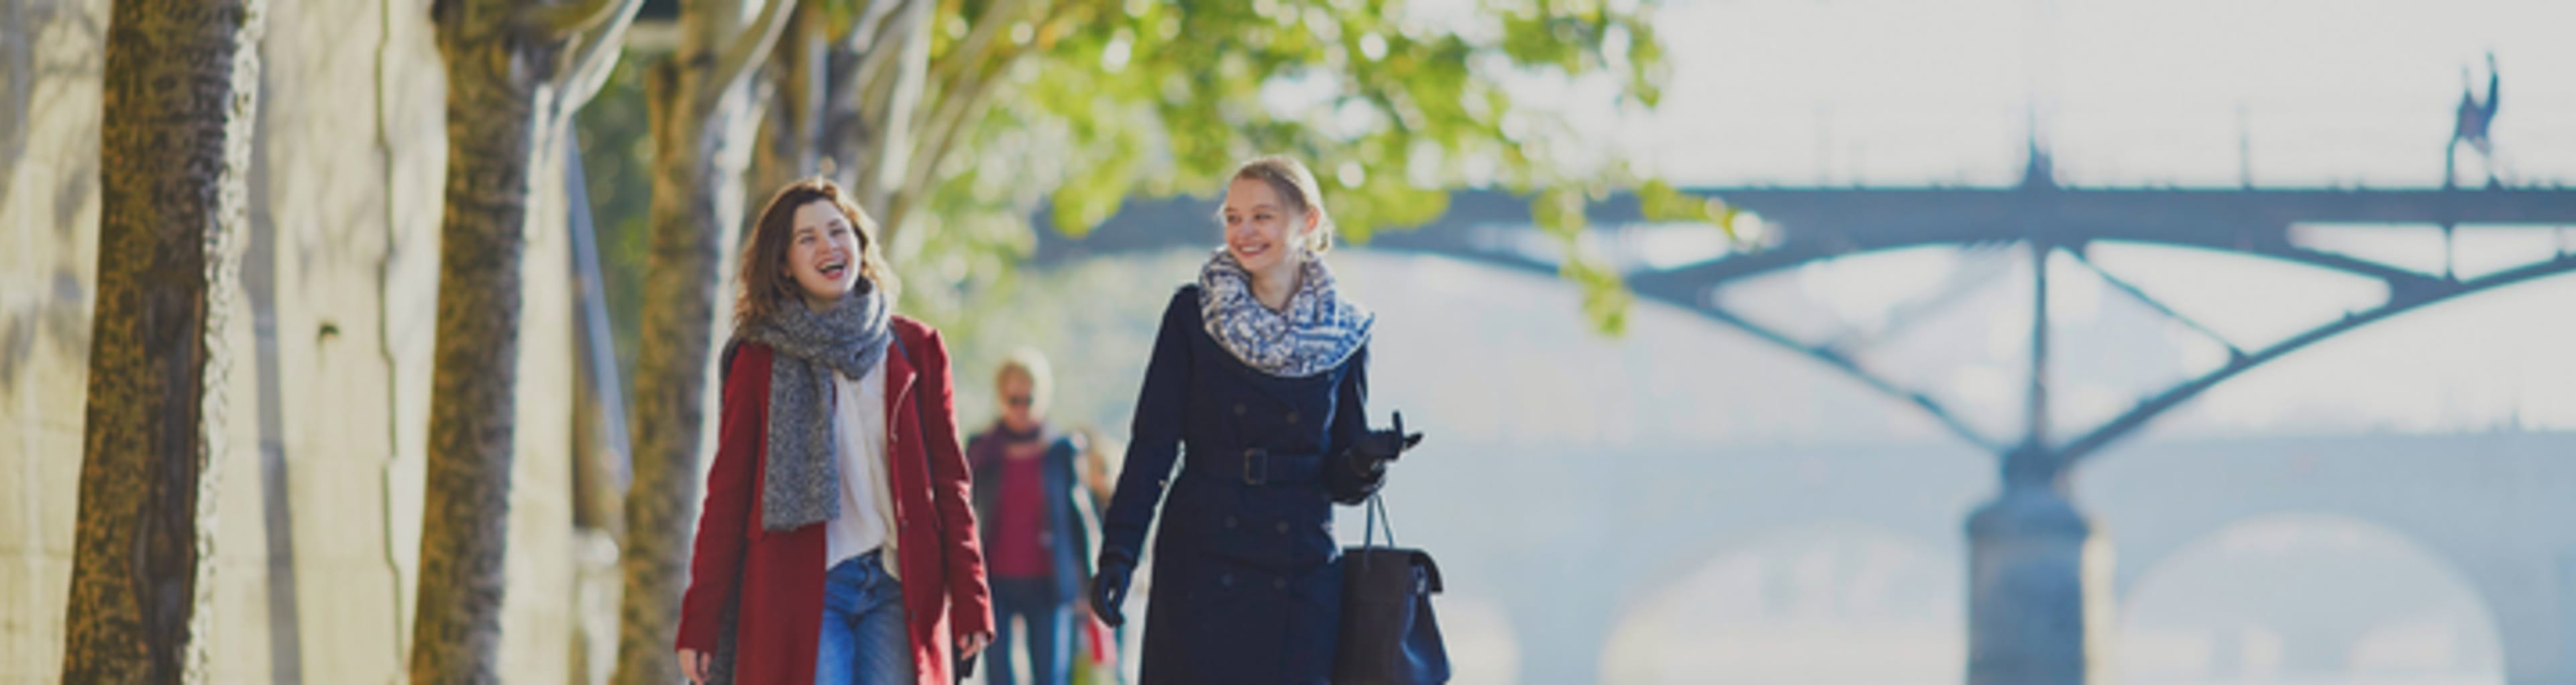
(2471,127)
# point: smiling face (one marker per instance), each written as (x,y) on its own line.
(823,254)
(1262,229)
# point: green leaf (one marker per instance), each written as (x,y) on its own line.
(1198,92)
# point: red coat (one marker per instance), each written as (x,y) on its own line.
(780,573)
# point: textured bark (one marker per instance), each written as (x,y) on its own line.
(791,124)
(669,411)
(491,141)
(514,72)
(702,117)
(181,83)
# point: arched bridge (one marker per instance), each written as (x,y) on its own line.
(2032,588)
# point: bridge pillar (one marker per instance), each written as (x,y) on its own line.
(2548,654)
(1563,629)
(2039,588)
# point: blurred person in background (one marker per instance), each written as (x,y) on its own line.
(1036,529)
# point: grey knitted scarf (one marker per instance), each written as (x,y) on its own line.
(802,481)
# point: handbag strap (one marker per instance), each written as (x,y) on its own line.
(1377,518)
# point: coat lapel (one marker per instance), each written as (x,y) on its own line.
(899,377)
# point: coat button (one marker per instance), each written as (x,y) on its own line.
(1292,417)
(1283,527)
(1280,584)
(1226,580)
(1230,521)
(1239,409)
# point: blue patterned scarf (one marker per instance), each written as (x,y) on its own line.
(1317,332)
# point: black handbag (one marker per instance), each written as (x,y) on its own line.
(1388,634)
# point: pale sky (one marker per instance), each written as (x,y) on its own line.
(2188,92)
(1910,91)
(1915,92)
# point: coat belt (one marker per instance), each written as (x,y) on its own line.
(1256,466)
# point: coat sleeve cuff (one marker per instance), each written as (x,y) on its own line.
(974,621)
(696,635)
(1362,477)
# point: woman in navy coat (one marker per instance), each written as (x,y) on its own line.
(1257,387)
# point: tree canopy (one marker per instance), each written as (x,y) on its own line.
(1076,106)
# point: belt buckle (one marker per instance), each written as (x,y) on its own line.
(1256,466)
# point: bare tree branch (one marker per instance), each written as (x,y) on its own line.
(563,21)
(961,103)
(979,41)
(910,73)
(594,55)
(963,98)
(862,36)
(744,51)
(866,80)
(929,156)
(883,71)
(868,133)
(965,78)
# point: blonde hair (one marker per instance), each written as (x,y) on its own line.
(1031,364)
(1296,185)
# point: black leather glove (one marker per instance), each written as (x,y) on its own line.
(1109,586)
(1375,448)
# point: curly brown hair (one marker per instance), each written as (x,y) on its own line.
(766,284)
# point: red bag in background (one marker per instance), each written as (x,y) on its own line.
(1096,658)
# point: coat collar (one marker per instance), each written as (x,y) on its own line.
(900,374)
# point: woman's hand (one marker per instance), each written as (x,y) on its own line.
(1374,448)
(694,664)
(972,644)
(1109,587)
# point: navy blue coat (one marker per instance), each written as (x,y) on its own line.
(1247,580)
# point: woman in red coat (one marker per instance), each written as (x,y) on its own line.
(837,543)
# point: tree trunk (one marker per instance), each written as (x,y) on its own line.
(791,125)
(703,119)
(181,82)
(514,73)
(492,132)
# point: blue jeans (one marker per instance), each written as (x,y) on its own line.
(1050,626)
(863,641)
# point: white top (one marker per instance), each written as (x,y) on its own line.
(867,505)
